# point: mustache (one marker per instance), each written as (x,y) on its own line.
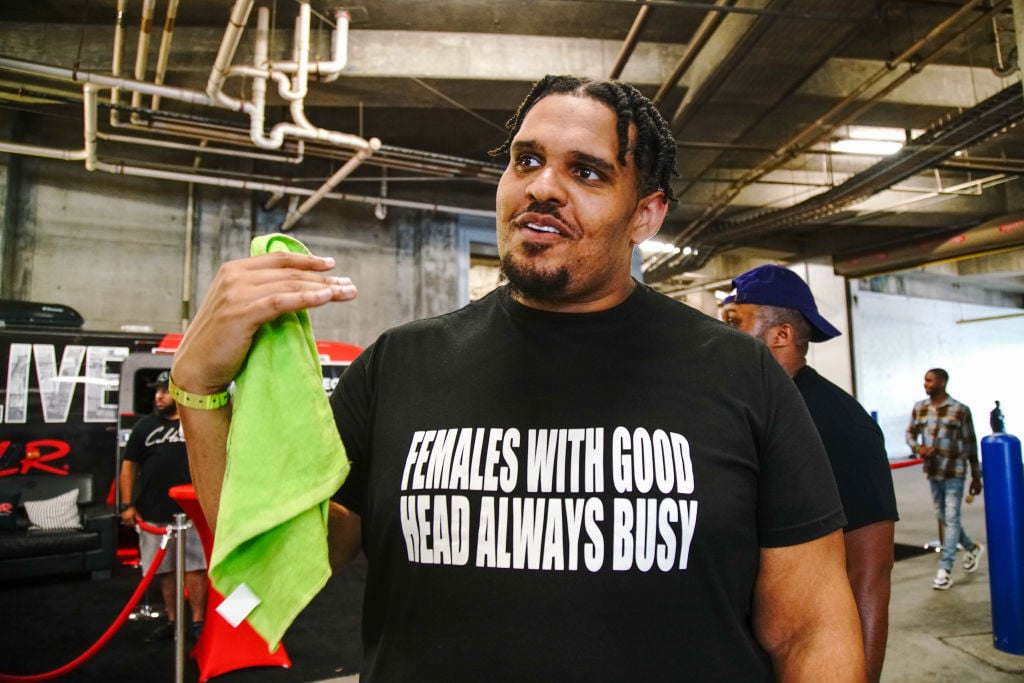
(549,208)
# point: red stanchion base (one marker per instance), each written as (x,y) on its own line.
(222,647)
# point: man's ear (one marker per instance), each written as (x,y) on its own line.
(650,214)
(782,335)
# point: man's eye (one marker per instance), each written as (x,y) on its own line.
(588,173)
(527,161)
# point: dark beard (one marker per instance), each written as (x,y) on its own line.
(530,283)
(167,411)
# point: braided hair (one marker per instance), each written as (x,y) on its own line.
(655,151)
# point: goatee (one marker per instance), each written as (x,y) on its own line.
(529,282)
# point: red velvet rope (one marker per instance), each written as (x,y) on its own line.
(105,638)
(905,463)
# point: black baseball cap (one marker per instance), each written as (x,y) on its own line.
(771,285)
(162,380)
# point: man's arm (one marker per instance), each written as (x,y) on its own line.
(129,472)
(869,561)
(245,294)
(911,435)
(970,445)
(804,614)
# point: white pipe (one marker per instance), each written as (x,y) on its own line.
(301,83)
(116,59)
(180,94)
(165,49)
(89,125)
(325,71)
(186,266)
(89,101)
(44,152)
(142,49)
(226,53)
(332,182)
(165,144)
(329,71)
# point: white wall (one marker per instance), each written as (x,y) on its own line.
(831,359)
(899,338)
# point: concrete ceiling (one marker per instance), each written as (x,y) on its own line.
(758,92)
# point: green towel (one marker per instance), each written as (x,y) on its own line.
(284,461)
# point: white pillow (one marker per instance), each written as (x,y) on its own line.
(60,512)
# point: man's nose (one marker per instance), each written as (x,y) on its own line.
(547,185)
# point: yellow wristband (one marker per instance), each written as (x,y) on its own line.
(197,401)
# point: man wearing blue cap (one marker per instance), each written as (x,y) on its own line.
(774,305)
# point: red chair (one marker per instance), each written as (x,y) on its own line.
(221,647)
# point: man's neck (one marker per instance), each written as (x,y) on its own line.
(790,360)
(939,399)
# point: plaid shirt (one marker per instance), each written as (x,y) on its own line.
(950,429)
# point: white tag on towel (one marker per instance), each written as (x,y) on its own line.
(237,606)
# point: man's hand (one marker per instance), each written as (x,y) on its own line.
(975,488)
(129,517)
(245,294)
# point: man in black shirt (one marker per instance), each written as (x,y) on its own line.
(774,305)
(155,459)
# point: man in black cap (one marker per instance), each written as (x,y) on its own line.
(774,305)
(155,459)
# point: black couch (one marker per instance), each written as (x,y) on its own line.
(28,552)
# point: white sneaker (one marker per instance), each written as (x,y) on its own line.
(942,581)
(973,557)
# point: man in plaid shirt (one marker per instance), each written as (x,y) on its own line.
(942,433)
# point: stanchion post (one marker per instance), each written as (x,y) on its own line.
(1004,523)
(180,524)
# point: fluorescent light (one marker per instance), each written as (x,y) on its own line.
(872,147)
(872,140)
(651,247)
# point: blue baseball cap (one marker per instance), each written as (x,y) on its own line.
(771,285)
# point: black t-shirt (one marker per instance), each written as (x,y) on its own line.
(573,496)
(856,449)
(158,446)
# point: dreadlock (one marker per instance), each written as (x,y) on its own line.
(655,151)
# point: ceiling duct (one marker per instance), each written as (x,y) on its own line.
(1000,234)
(927,151)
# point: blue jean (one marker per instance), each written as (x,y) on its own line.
(946,496)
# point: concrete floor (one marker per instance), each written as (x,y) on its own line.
(940,635)
(933,635)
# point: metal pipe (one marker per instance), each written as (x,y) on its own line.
(165,49)
(329,71)
(89,101)
(629,44)
(825,123)
(712,20)
(181,523)
(116,59)
(165,144)
(332,182)
(43,152)
(186,266)
(226,53)
(142,49)
(181,94)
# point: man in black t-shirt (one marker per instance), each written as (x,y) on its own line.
(776,306)
(575,477)
(155,459)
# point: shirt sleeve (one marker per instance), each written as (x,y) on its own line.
(798,500)
(969,446)
(911,435)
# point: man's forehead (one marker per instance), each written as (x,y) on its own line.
(585,110)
